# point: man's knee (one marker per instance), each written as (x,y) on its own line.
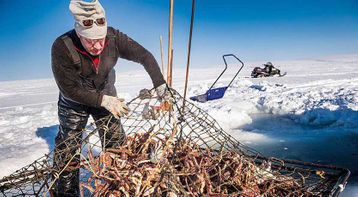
(112,135)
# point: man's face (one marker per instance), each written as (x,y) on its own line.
(93,46)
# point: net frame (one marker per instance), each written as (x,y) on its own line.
(189,122)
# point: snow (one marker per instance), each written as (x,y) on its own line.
(320,103)
(310,114)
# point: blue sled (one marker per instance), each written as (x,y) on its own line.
(212,94)
(217,93)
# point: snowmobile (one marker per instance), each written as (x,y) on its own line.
(268,71)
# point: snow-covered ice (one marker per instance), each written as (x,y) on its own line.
(310,114)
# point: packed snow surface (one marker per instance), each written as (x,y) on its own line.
(310,114)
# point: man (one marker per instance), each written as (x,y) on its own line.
(82,64)
(271,70)
(268,67)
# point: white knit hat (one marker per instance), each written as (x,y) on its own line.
(82,10)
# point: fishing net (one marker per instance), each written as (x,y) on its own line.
(171,148)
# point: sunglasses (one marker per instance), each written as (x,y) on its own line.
(98,21)
(94,41)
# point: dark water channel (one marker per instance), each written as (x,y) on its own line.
(323,144)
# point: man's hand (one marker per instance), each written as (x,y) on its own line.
(163,93)
(115,105)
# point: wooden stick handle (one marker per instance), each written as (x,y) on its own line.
(162,54)
(170,40)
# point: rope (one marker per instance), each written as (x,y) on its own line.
(58,174)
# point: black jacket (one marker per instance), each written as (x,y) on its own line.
(76,76)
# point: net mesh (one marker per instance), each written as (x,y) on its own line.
(170,148)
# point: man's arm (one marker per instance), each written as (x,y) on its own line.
(67,76)
(131,50)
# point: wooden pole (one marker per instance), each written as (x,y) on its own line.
(170,40)
(189,50)
(162,54)
(171,67)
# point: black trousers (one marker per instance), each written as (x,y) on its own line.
(73,118)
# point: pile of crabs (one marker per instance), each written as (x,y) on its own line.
(146,165)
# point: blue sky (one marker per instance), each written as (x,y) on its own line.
(256,30)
